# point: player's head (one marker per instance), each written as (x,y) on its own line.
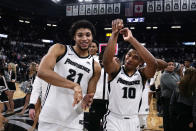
(82,32)
(132,59)
(93,48)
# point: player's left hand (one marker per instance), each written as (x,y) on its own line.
(32,114)
(87,101)
(127,34)
(77,95)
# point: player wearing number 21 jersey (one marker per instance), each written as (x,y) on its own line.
(73,75)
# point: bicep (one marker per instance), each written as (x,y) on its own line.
(49,60)
(148,72)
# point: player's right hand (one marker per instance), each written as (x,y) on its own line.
(77,95)
(32,114)
(117,25)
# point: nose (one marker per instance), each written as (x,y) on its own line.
(84,37)
(130,59)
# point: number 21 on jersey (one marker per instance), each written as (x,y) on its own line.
(73,75)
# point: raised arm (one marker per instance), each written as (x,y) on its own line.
(46,72)
(151,64)
(161,64)
(110,65)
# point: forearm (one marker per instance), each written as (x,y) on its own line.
(34,96)
(55,79)
(143,52)
(161,64)
(110,49)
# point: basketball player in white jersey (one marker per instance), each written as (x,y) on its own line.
(145,104)
(36,99)
(126,82)
(72,73)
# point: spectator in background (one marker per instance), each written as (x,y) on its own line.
(28,87)
(11,79)
(181,104)
(3,97)
(168,83)
(187,64)
(93,50)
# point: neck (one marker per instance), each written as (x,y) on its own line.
(82,53)
(129,71)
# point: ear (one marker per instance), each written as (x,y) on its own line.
(74,38)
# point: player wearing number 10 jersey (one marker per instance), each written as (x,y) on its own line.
(66,67)
(126,82)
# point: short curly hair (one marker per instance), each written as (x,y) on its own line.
(82,24)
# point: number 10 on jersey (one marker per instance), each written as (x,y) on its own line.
(128,92)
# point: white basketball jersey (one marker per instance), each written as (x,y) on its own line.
(125,93)
(100,90)
(58,105)
(144,109)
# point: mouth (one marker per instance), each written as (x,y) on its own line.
(128,63)
(84,44)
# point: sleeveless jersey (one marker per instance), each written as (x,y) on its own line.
(125,93)
(58,103)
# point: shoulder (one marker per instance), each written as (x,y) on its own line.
(97,67)
(57,49)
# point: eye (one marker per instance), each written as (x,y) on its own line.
(80,35)
(135,57)
(88,34)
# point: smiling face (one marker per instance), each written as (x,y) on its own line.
(83,38)
(132,60)
(93,48)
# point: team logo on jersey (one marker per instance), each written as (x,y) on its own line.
(125,82)
(68,61)
(88,62)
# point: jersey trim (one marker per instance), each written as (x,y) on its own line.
(46,94)
(93,66)
(60,57)
(143,84)
(143,79)
(123,67)
(140,103)
(105,121)
(115,75)
(71,47)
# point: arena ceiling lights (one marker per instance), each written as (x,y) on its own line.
(56,1)
(84,0)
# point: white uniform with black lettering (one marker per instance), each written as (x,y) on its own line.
(144,109)
(124,102)
(57,109)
